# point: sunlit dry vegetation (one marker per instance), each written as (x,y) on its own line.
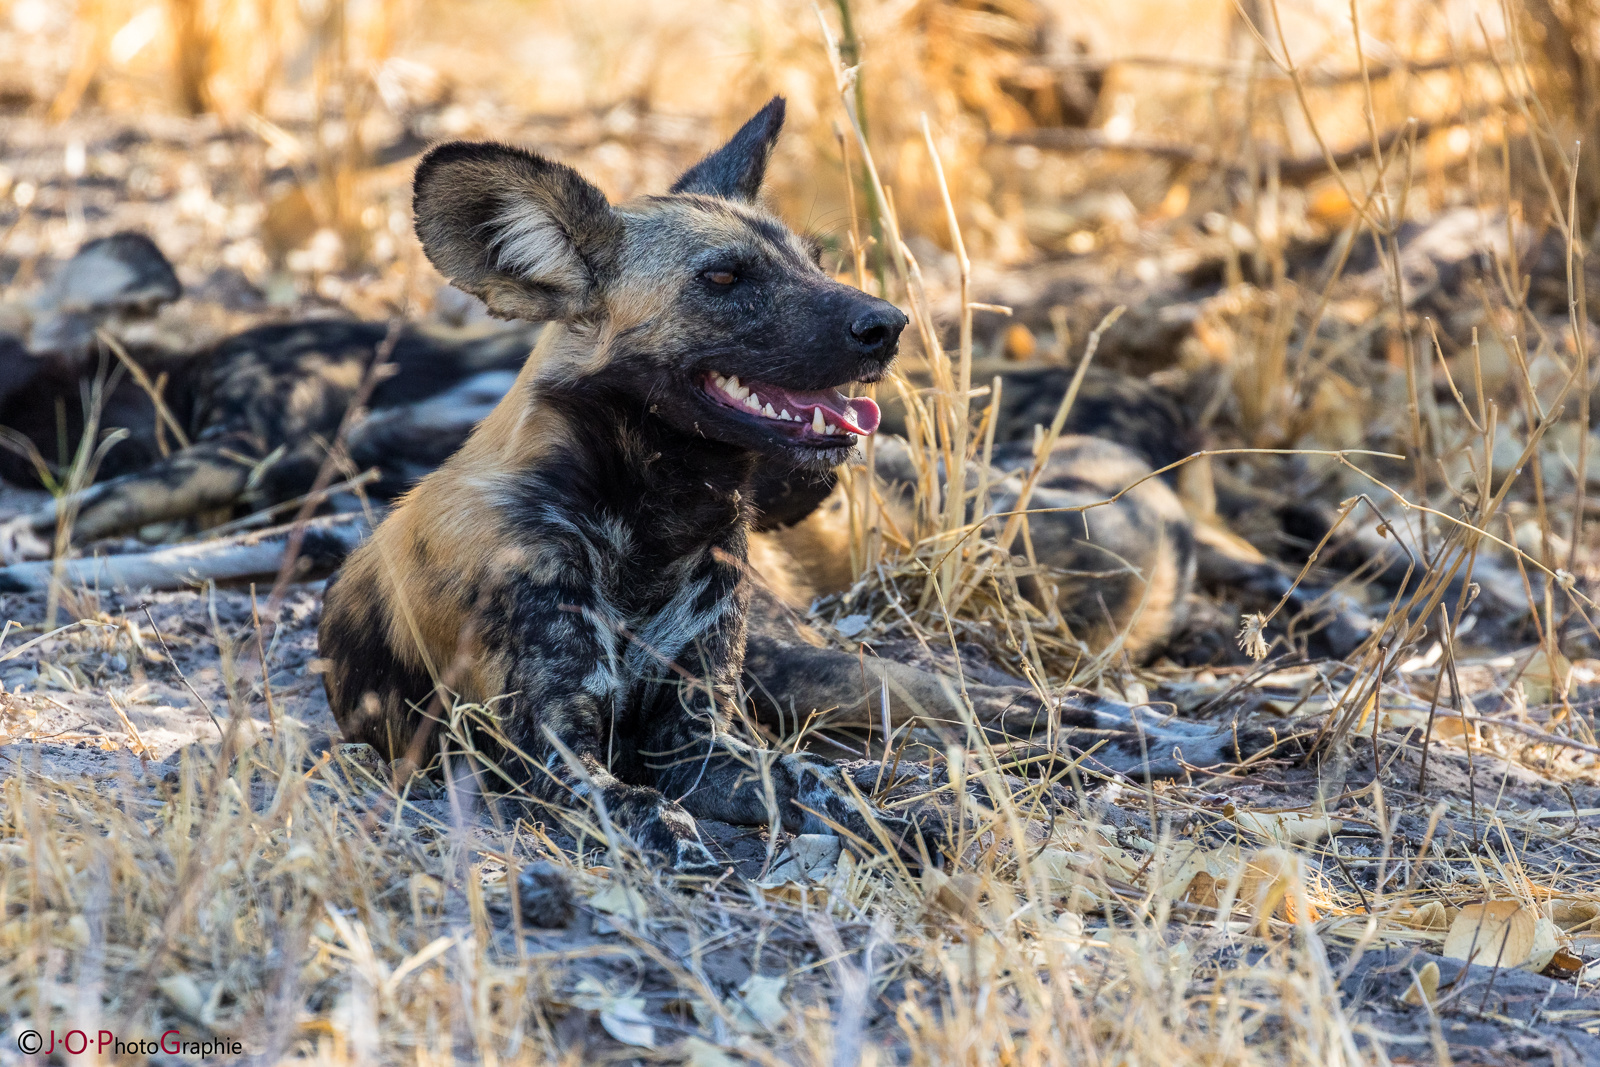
(1353,236)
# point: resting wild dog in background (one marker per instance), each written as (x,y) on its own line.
(582,561)
(260,410)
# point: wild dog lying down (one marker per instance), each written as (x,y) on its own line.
(581,565)
(260,411)
(442,387)
(1126,571)
(283,390)
(581,562)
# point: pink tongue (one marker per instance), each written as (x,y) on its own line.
(857,414)
(860,415)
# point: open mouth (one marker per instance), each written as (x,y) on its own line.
(817,417)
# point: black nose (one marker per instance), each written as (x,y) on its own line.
(877,331)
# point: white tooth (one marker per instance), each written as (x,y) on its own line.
(832,428)
(816,421)
(784,414)
(768,412)
(719,379)
(732,382)
(730,390)
(752,402)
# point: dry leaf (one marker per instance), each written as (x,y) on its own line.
(619,899)
(807,858)
(185,994)
(698,1052)
(1060,869)
(626,1021)
(1546,943)
(1424,987)
(1489,932)
(1287,827)
(761,998)
(956,896)
(1192,874)
(1205,889)
(1565,963)
(1570,913)
(1545,678)
(1081,900)
(623,1018)
(1430,916)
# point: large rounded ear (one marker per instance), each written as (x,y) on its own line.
(735,170)
(531,238)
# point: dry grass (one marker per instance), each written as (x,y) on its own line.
(309,908)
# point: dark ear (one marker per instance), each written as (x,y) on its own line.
(529,237)
(735,170)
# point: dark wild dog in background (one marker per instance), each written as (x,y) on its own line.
(260,411)
(582,561)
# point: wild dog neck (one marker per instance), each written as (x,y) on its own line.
(624,462)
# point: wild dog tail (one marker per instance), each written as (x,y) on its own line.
(323,546)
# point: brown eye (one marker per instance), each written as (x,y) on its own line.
(721,277)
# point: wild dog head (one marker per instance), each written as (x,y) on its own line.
(697,307)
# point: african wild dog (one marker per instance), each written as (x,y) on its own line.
(582,561)
(260,410)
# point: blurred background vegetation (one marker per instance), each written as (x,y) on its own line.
(1066,128)
(1242,153)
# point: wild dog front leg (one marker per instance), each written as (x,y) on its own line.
(654,823)
(564,674)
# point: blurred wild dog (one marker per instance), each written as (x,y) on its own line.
(1126,567)
(584,565)
(259,412)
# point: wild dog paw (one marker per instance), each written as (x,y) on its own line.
(830,806)
(19,542)
(668,834)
